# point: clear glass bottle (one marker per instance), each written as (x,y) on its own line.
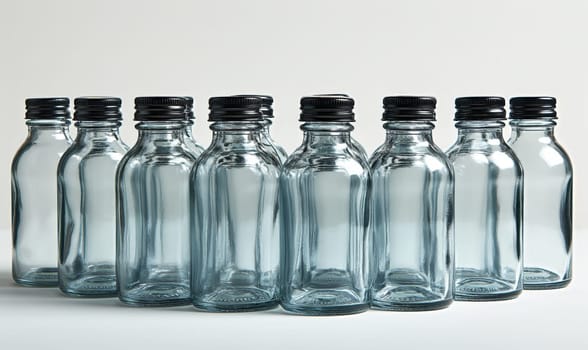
(267,141)
(189,139)
(548,193)
(235,252)
(488,203)
(412,211)
(34,192)
(87,200)
(153,216)
(324,206)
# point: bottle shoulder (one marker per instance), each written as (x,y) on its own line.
(430,159)
(543,156)
(38,153)
(304,161)
(255,157)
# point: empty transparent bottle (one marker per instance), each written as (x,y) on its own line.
(34,192)
(488,203)
(87,200)
(188,136)
(153,216)
(324,201)
(235,235)
(412,211)
(548,193)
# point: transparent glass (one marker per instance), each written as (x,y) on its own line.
(190,141)
(324,206)
(412,220)
(548,204)
(269,143)
(235,219)
(488,213)
(87,210)
(359,149)
(34,202)
(153,217)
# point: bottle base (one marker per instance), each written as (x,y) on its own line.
(308,310)
(90,286)
(236,299)
(164,294)
(429,306)
(38,277)
(236,308)
(535,278)
(484,289)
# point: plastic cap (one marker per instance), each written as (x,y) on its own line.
(47,108)
(234,108)
(331,108)
(480,108)
(97,108)
(160,108)
(409,108)
(533,107)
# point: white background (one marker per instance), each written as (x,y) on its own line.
(367,49)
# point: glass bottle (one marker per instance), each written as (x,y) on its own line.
(34,192)
(267,141)
(235,242)
(548,193)
(87,200)
(324,201)
(153,217)
(488,203)
(412,211)
(188,136)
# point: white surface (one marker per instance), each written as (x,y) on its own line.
(32,318)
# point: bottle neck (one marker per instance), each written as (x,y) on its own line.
(532,128)
(318,134)
(188,128)
(409,132)
(168,130)
(266,123)
(236,132)
(48,129)
(480,131)
(104,131)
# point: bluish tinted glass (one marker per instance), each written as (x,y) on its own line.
(488,213)
(87,210)
(190,141)
(324,216)
(235,221)
(412,220)
(548,204)
(153,219)
(34,202)
(270,144)
(359,149)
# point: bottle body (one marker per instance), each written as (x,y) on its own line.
(412,221)
(324,203)
(87,210)
(34,203)
(235,225)
(548,204)
(153,255)
(488,213)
